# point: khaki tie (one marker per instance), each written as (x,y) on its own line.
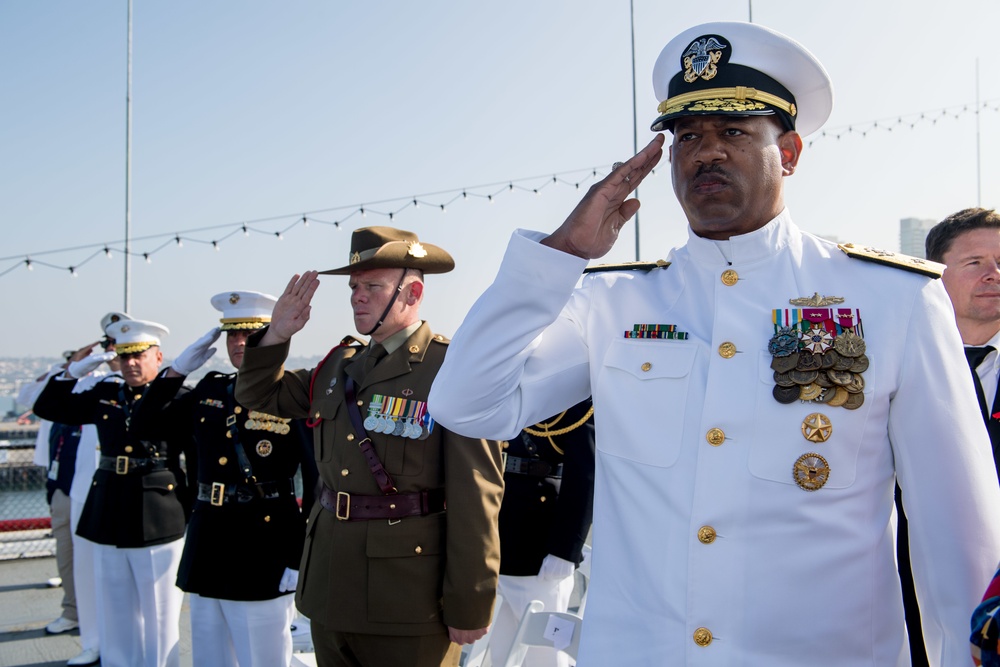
(375,354)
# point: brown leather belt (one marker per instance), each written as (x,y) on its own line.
(348,507)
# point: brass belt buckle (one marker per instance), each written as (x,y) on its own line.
(346,505)
(218,494)
(121,465)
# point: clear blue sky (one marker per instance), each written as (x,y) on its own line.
(246,109)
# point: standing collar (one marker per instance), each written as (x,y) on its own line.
(744,249)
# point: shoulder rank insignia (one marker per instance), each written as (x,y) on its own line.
(922,266)
(628,266)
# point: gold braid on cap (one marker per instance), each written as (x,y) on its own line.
(545,427)
(133,348)
(739,93)
(237,323)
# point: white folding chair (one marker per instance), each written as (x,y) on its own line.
(474,654)
(582,583)
(531,632)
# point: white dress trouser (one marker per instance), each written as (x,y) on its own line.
(517,593)
(85,580)
(139,605)
(231,633)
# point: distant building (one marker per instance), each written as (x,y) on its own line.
(912,233)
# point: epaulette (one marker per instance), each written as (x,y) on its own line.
(351,340)
(628,266)
(915,264)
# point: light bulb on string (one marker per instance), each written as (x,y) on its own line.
(27,263)
(305,221)
(149,260)
(107,252)
(416,204)
(215,244)
(72,271)
(180,243)
(279,236)
(246,232)
(363,215)
(443,209)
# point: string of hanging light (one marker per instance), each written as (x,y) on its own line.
(390,209)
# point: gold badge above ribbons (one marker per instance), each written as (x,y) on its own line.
(264,448)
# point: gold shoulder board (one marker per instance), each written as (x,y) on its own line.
(915,264)
(628,266)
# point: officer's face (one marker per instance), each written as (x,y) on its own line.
(727,171)
(973,282)
(236,343)
(371,292)
(141,367)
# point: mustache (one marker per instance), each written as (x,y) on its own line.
(711,169)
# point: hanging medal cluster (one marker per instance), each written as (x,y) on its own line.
(261,421)
(818,355)
(398,416)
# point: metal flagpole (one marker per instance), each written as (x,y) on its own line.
(635,119)
(979,165)
(128,170)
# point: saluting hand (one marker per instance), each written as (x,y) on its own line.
(592,228)
(291,312)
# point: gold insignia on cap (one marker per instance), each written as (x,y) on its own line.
(817,427)
(114,318)
(125,328)
(234,298)
(264,448)
(416,250)
(811,472)
(701,58)
(816,300)
(355,257)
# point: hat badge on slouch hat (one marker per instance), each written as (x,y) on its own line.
(243,310)
(740,69)
(132,336)
(391,248)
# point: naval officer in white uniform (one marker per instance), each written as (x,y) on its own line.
(756,398)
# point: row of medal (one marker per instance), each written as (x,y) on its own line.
(401,417)
(668,331)
(261,421)
(819,356)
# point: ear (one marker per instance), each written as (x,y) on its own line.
(159,356)
(415,292)
(790,147)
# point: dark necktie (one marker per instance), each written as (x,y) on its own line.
(975,356)
(375,353)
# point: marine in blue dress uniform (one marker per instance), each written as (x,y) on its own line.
(244,541)
(138,503)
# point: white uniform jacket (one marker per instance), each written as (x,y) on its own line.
(710,554)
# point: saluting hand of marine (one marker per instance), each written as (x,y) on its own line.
(592,228)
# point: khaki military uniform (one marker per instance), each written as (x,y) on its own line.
(407,577)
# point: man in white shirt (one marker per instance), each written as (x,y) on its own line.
(768,391)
